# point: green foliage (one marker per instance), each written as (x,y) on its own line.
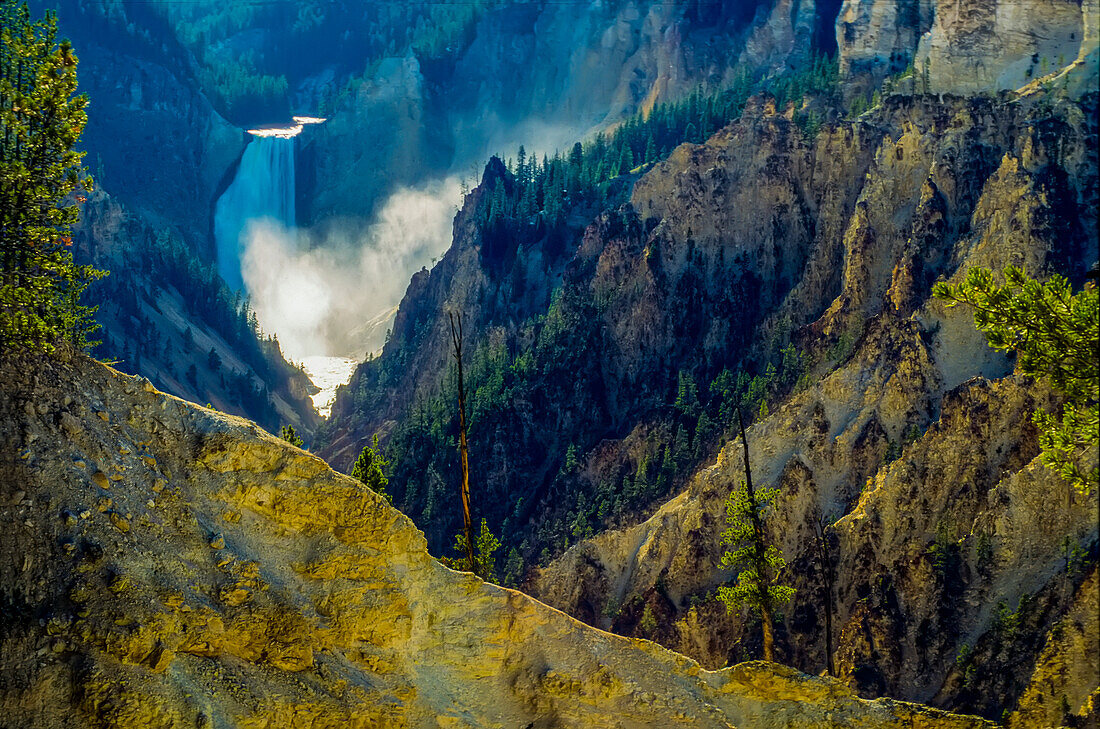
(370,468)
(1006,623)
(964,663)
(536,394)
(943,551)
(42,184)
(758,564)
(291,436)
(512,573)
(687,396)
(485,546)
(1056,335)
(545,192)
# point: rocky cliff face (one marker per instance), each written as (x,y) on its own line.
(927,475)
(153,140)
(967,47)
(167,565)
(542,75)
(879,38)
(166,316)
(988,46)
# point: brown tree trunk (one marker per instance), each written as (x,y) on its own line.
(456,340)
(769,635)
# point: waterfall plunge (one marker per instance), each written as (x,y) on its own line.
(263,190)
(330,293)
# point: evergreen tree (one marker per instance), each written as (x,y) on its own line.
(41,121)
(290,435)
(687,396)
(521,167)
(485,546)
(626,159)
(370,469)
(1056,335)
(757,562)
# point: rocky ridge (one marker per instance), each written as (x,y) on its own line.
(165,565)
(918,439)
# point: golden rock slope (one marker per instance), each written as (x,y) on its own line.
(166,565)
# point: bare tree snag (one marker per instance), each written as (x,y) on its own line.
(828,578)
(467,522)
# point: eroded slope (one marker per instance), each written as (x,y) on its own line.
(167,565)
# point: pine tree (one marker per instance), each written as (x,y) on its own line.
(757,562)
(290,435)
(482,554)
(370,469)
(626,159)
(41,121)
(1056,335)
(650,148)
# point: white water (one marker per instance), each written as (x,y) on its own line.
(328,373)
(263,190)
(327,294)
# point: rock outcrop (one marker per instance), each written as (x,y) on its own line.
(165,565)
(878,38)
(967,47)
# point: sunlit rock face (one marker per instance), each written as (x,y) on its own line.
(990,45)
(166,565)
(880,36)
(972,47)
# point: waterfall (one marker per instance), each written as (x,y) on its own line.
(263,188)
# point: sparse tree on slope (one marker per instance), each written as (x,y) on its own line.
(757,562)
(290,435)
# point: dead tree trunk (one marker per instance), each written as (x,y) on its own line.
(456,341)
(828,578)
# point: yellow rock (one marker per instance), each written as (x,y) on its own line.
(334,615)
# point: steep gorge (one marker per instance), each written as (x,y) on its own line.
(729,251)
(944,509)
(198,557)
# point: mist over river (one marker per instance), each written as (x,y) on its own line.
(328,293)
